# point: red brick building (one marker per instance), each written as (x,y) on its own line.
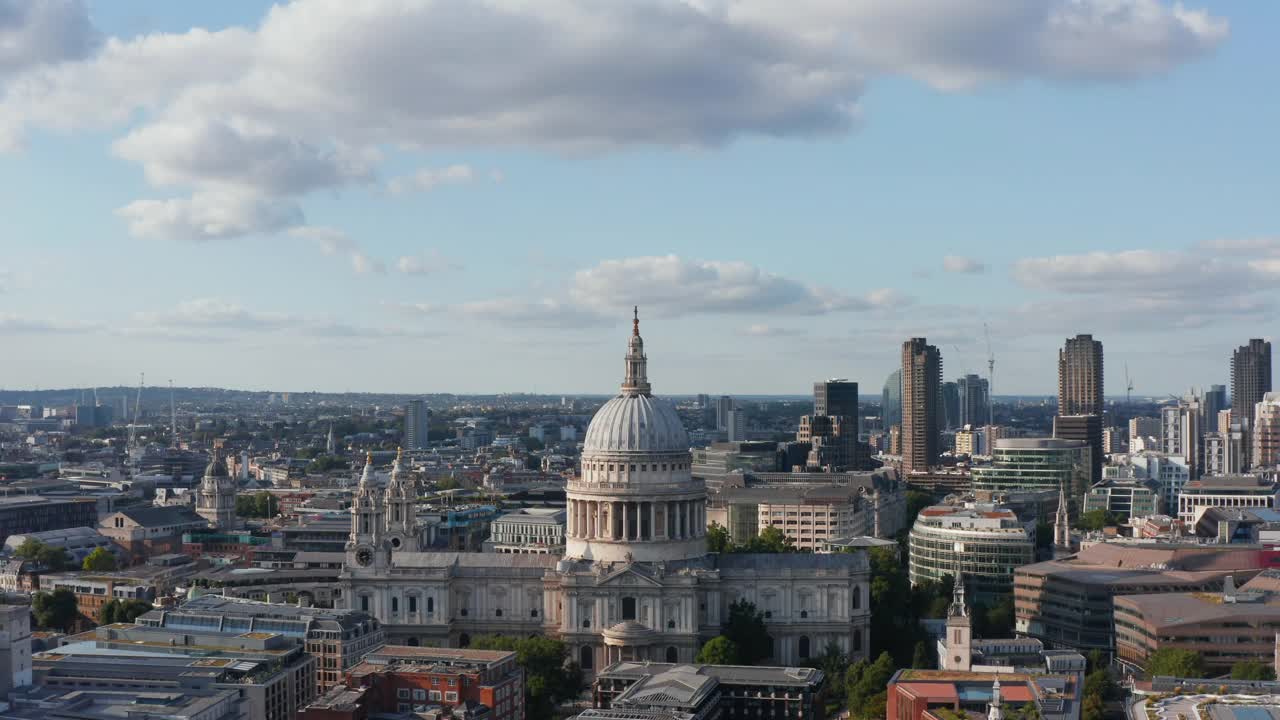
(399,678)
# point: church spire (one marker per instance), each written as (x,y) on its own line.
(1061,521)
(958,606)
(994,711)
(636,380)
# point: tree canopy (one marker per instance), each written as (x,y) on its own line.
(746,629)
(1252,670)
(718,539)
(549,678)
(55,610)
(261,504)
(1173,662)
(100,560)
(122,611)
(1096,520)
(719,650)
(865,686)
(54,558)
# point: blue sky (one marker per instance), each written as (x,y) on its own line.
(461,196)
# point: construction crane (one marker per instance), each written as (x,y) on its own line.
(991,377)
(1128,386)
(173,417)
(134,454)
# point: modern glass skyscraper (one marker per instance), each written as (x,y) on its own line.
(891,400)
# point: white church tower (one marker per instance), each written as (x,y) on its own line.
(216,501)
(1062,521)
(957,652)
(365,544)
(401,501)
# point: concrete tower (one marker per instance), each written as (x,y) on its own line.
(1080,377)
(216,502)
(921,404)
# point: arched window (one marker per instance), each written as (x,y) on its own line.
(413,603)
(857,641)
(586,657)
(857,596)
(497,612)
(673,655)
(804,647)
(628,608)
(364,603)
(464,640)
(395,604)
(431,604)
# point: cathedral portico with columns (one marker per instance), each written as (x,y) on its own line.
(636,581)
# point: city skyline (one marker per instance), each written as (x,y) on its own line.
(246,220)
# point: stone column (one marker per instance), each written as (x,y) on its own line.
(653,516)
(626,521)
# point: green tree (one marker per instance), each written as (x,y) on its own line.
(921,659)
(261,504)
(745,627)
(1099,683)
(719,650)
(1097,660)
(994,621)
(100,560)
(1092,708)
(549,676)
(1173,662)
(917,501)
(1252,670)
(770,540)
(1095,520)
(833,663)
(866,687)
(54,558)
(718,540)
(56,610)
(324,463)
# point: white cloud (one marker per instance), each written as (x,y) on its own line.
(1129,272)
(428,179)
(960,264)
(333,241)
(762,330)
(14,324)
(215,313)
(671,285)
(431,261)
(541,313)
(209,215)
(214,154)
(43,32)
(332,73)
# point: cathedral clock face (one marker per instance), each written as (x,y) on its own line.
(364,556)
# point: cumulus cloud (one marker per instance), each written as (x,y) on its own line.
(1157,289)
(672,285)
(427,179)
(333,241)
(539,313)
(216,154)
(431,261)
(765,331)
(215,313)
(697,72)
(39,33)
(14,324)
(960,264)
(209,215)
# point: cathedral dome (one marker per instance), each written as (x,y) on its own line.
(636,423)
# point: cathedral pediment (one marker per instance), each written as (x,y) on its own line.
(628,575)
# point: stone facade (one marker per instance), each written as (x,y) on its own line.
(635,582)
